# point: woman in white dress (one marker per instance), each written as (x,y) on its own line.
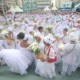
(56,44)
(14,59)
(2,46)
(24,47)
(47,67)
(30,35)
(10,39)
(39,40)
(17,60)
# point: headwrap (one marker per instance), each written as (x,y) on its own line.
(58,35)
(37,34)
(48,39)
(30,29)
(73,37)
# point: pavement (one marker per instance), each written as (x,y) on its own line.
(5,74)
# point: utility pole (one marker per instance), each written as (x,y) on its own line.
(23,4)
(16,2)
(4,11)
(31,5)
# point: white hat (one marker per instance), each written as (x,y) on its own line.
(49,40)
(73,37)
(37,34)
(1,27)
(58,35)
(25,37)
(30,29)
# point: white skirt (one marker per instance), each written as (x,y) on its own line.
(45,69)
(29,55)
(17,62)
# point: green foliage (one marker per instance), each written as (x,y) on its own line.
(37,51)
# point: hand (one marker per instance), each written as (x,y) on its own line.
(42,60)
(39,56)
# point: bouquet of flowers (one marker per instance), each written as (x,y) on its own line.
(35,48)
(61,47)
(49,28)
(16,24)
(5,33)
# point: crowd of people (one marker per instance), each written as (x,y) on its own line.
(58,36)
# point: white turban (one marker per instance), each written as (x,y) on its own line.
(48,39)
(25,37)
(73,37)
(1,27)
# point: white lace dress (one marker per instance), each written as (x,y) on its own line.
(46,69)
(26,52)
(16,61)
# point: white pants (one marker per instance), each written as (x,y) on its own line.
(67,69)
(76,66)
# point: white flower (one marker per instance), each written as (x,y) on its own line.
(61,46)
(49,27)
(34,45)
(4,33)
(33,48)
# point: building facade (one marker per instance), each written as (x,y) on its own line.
(43,3)
(30,5)
(2,4)
(14,2)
